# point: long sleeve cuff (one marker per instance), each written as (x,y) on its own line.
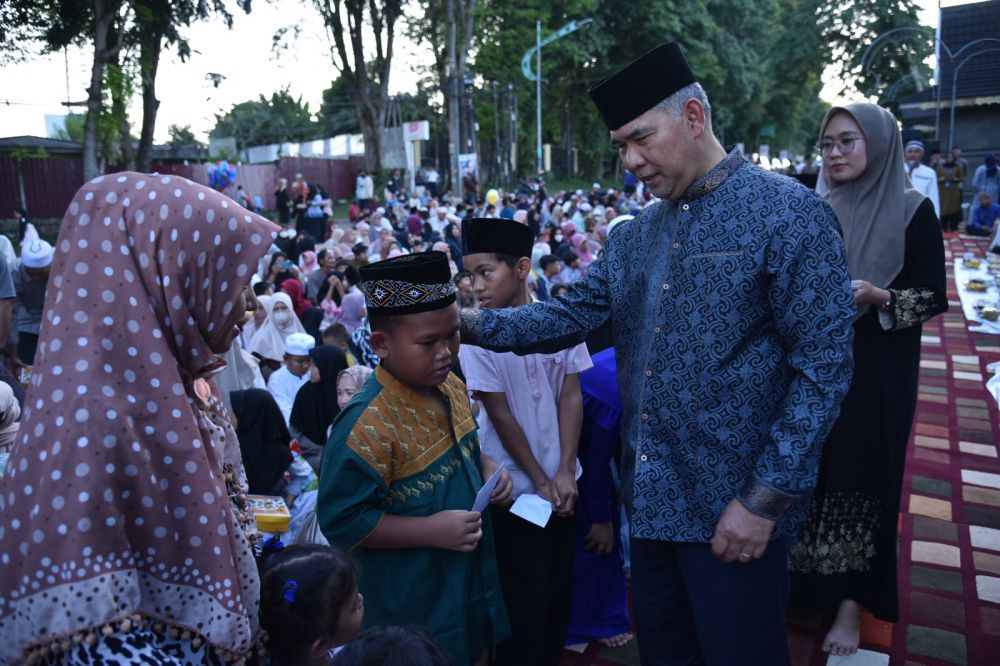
(471,330)
(763,499)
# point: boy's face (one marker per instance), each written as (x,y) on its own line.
(298,365)
(552,269)
(422,347)
(495,283)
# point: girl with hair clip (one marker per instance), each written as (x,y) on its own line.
(309,605)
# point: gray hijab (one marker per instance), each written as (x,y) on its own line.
(875,208)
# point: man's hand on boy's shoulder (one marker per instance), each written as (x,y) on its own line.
(455,529)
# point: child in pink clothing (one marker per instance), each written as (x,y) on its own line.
(530,422)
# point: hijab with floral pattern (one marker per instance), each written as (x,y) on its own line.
(115,509)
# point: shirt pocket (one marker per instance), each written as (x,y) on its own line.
(715,274)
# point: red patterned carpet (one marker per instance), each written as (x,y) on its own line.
(949,528)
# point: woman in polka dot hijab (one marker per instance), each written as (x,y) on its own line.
(122,509)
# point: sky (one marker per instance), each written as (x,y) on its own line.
(30,90)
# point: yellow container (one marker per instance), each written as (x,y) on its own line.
(271,513)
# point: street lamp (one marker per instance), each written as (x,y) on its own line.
(954,89)
(952,57)
(536,76)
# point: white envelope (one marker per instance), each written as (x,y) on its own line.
(533,508)
(483,496)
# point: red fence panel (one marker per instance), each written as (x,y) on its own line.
(49,184)
(335,176)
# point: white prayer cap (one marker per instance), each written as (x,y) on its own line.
(37,254)
(299,344)
(597,186)
(380,210)
(618,220)
(914,144)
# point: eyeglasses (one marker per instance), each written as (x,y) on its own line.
(845,145)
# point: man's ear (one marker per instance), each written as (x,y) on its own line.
(380,344)
(694,116)
(522,268)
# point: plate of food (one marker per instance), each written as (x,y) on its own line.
(976,284)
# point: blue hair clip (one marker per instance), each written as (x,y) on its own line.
(289,592)
(273,543)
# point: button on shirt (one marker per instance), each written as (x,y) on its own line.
(732,378)
(533,384)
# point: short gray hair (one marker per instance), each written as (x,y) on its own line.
(674,105)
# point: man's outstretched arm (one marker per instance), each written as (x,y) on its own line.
(544,327)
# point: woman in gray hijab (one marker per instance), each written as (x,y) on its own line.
(845,559)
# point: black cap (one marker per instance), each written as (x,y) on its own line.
(508,237)
(408,284)
(641,85)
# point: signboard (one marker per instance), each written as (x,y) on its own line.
(468,163)
(419,130)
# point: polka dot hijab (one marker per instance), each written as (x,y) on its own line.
(114,509)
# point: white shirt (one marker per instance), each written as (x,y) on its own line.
(532,384)
(925,181)
(283,385)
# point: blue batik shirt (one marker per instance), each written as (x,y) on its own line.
(732,312)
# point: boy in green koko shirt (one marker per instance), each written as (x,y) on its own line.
(403,466)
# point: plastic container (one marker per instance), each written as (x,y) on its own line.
(271,513)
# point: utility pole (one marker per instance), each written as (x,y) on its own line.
(538,95)
(454,138)
(536,76)
(496,134)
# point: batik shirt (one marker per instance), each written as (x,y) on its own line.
(731,309)
(392,452)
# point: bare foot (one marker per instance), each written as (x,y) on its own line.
(620,640)
(844,635)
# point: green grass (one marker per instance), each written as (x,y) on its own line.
(568,184)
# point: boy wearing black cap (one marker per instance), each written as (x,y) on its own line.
(403,467)
(533,411)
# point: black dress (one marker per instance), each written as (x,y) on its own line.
(847,548)
(282,204)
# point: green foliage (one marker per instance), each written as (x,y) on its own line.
(73,131)
(761,62)
(849,27)
(336,112)
(264,121)
(181,135)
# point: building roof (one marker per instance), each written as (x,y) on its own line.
(979,75)
(35,143)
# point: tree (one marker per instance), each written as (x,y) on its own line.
(73,129)
(360,22)
(760,62)
(181,135)
(100,22)
(158,23)
(448,29)
(277,119)
(336,112)
(849,27)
